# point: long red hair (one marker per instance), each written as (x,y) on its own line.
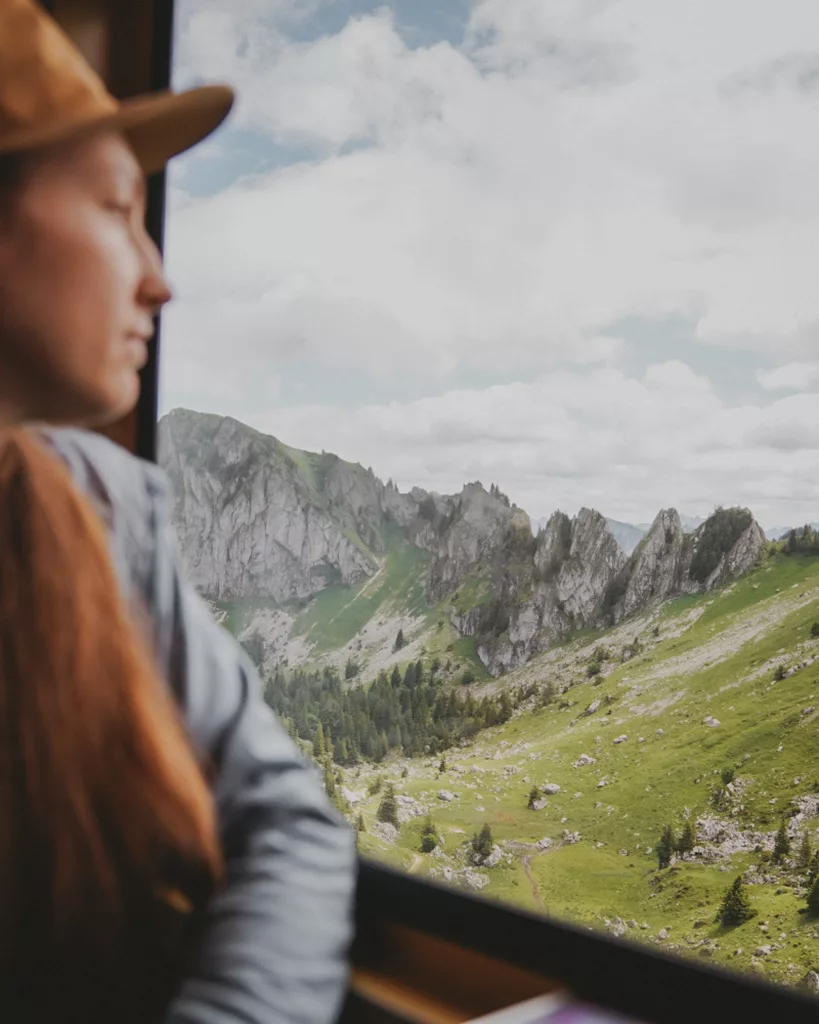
(102,799)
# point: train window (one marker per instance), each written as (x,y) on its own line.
(489,399)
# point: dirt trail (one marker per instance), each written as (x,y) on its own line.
(526,861)
(417,861)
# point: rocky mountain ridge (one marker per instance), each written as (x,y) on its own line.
(257,519)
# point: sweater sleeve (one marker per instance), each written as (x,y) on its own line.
(276,936)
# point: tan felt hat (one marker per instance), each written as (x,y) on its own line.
(49,93)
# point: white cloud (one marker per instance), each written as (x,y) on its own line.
(506,215)
(626,445)
(791,377)
(499,205)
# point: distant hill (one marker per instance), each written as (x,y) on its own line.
(778,532)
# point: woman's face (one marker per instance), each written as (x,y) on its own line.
(80,281)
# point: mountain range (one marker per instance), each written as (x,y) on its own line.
(309,557)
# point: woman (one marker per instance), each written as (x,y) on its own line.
(259,856)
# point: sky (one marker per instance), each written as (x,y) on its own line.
(570,247)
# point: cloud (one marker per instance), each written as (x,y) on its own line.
(491,209)
(498,204)
(626,444)
(791,377)
(795,71)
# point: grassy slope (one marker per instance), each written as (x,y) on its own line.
(746,629)
(340,612)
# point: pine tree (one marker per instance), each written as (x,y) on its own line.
(546,695)
(803,857)
(534,796)
(782,845)
(442,766)
(813,898)
(429,836)
(814,630)
(813,868)
(688,839)
(735,907)
(329,777)
(666,847)
(482,842)
(359,823)
(319,746)
(400,642)
(388,808)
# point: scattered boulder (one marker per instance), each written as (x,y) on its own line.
(621,739)
(545,843)
(663,933)
(494,858)
(763,950)
(551,789)
(475,880)
(811,982)
(570,838)
(384,830)
(710,721)
(617,927)
(583,760)
(446,796)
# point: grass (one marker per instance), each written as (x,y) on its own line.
(672,687)
(339,613)
(240,612)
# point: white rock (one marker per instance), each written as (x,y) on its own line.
(551,789)
(660,732)
(583,760)
(763,950)
(475,880)
(494,858)
(811,982)
(446,795)
(544,843)
(662,934)
(621,739)
(711,722)
(384,830)
(617,927)
(641,739)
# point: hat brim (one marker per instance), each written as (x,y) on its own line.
(158,126)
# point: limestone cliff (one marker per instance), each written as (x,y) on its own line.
(256,519)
